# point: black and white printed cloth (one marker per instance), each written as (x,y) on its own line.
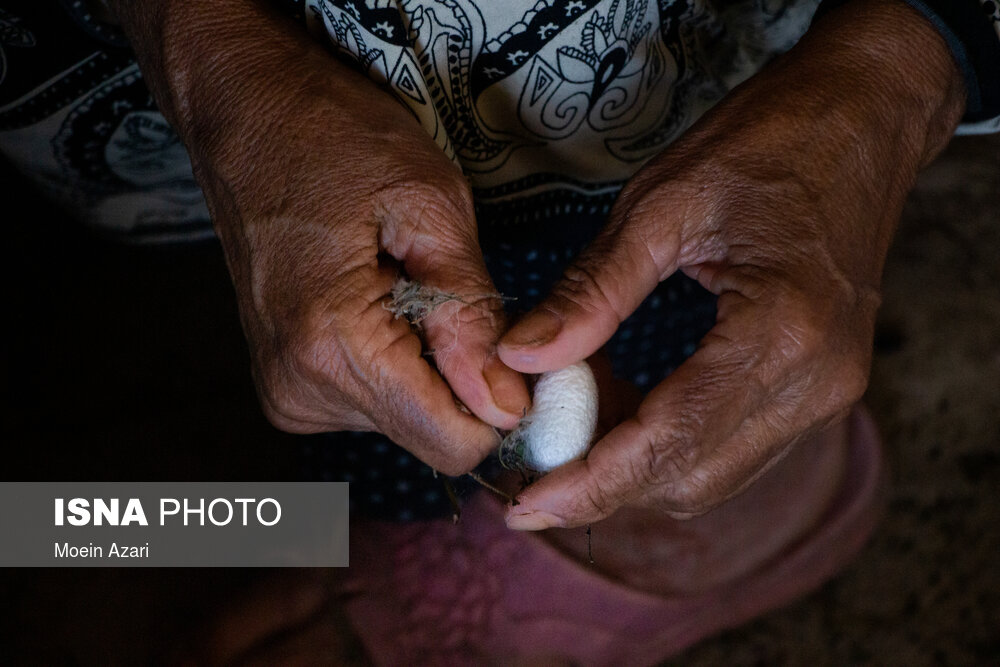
(548,105)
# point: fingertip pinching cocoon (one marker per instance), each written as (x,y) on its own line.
(561,423)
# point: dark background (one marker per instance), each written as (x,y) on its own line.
(121,363)
(124,362)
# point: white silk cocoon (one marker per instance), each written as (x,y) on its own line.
(563,416)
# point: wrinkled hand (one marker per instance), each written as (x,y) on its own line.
(322,189)
(782,201)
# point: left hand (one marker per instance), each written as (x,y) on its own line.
(783,201)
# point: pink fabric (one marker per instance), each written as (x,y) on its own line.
(437,593)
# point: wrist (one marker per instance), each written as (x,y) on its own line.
(892,57)
(251,94)
(213,68)
(971,37)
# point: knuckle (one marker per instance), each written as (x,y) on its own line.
(282,418)
(311,355)
(584,286)
(802,331)
(303,410)
(454,191)
(433,198)
(646,473)
(375,362)
(595,501)
(690,495)
(301,383)
(654,466)
(454,459)
(312,348)
(457,465)
(669,474)
(671,451)
(429,216)
(642,237)
(850,381)
(280,408)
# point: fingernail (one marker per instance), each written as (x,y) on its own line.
(509,392)
(537,329)
(534,520)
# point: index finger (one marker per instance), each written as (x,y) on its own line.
(404,396)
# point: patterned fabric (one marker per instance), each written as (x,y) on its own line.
(531,96)
(992,10)
(77,119)
(548,105)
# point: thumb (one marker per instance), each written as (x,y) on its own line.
(584,491)
(439,247)
(602,287)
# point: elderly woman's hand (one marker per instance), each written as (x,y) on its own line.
(323,189)
(782,200)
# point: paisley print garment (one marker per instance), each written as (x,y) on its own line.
(548,105)
(77,119)
(535,95)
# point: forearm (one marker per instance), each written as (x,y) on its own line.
(847,117)
(273,123)
(902,96)
(897,67)
(226,73)
(200,60)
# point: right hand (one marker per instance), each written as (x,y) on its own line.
(322,188)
